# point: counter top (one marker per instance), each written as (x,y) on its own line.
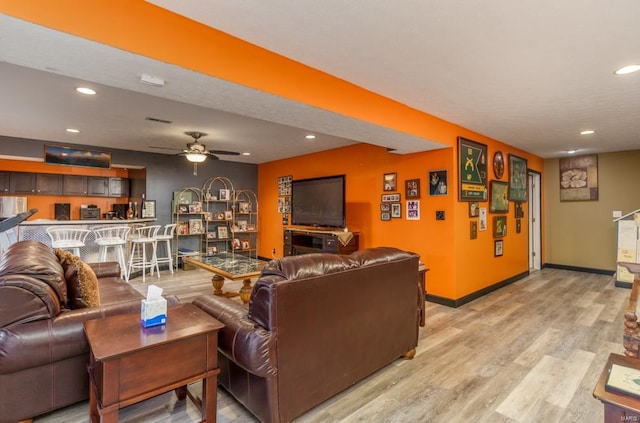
(51,222)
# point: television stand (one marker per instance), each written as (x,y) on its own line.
(305,241)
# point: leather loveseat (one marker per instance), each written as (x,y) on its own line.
(315,325)
(43,349)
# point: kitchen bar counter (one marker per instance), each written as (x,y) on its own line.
(36,230)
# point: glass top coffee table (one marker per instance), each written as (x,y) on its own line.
(229,266)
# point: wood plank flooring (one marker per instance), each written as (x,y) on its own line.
(529,352)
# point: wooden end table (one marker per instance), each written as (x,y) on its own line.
(617,407)
(129,363)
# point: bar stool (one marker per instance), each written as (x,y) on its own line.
(68,238)
(115,237)
(166,236)
(138,259)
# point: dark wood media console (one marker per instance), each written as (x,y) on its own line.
(301,241)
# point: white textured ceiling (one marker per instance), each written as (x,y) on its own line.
(531,73)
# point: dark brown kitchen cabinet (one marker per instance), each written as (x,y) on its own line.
(74,185)
(22,183)
(48,184)
(5,186)
(98,186)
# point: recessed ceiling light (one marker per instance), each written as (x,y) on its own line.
(246,154)
(310,137)
(587,132)
(572,151)
(86,90)
(73,130)
(627,69)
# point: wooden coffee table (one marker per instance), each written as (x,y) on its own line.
(129,363)
(230,266)
(617,407)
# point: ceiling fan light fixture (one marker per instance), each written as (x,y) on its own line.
(196,157)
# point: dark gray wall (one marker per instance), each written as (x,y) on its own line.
(164,173)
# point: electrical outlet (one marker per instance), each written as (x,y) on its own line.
(617,213)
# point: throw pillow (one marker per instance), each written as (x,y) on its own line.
(82,283)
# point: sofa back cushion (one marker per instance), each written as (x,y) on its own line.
(36,260)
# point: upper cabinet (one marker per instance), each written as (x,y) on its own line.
(48,184)
(55,184)
(98,186)
(118,187)
(74,185)
(23,183)
(5,185)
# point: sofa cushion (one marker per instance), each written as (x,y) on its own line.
(35,259)
(82,283)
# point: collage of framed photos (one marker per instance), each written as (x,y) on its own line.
(391,203)
(475,187)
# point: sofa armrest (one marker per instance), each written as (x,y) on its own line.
(46,341)
(106,269)
(245,342)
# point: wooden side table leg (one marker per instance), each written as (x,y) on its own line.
(245,291)
(218,282)
(210,398)
(93,404)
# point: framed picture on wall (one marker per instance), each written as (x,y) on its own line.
(390,182)
(438,184)
(412,188)
(517,178)
(499,226)
(499,197)
(472,170)
(498,246)
(396,210)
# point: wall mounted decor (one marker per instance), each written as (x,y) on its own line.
(412,188)
(390,182)
(68,156)
(472,170)
(519,210)
(474,209)
(413,210)
(396,210)
(499,226)
(438,184)
(579,178)
(473,229)
(390,198)
(498,164)
(482,220)
(498,246)
(517,178)
(499,202)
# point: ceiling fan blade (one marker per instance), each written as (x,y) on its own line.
(227,153)
(164,148)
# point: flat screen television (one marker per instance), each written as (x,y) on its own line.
(318,201)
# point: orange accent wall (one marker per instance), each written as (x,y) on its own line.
(46,203)
(459,266)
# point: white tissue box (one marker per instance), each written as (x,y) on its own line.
(153,312)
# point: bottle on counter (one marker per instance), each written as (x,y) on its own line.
(130,211)
(142,211)
(135,210)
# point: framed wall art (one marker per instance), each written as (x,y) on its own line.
(498,164)
(499,202)
(385,216)
(68,156)
(498,246)
(517,178)
(499,226)
(413,209)
(412,188)
(390,182)
(390,198)
(579,178)
(474,209)
(438,184)
(519,210)
(472,170)
(396,210)
(473,229)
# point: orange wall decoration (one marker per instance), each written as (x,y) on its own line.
(458,266)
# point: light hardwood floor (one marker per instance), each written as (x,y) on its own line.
(529,352)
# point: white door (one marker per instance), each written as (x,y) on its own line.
(534,221)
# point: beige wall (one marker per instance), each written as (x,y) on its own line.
(582,233)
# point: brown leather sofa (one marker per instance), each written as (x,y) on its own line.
(43,349)
(315,325)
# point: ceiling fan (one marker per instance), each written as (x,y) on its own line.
(197,152)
